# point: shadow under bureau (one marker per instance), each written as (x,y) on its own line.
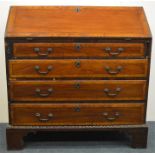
(77,69)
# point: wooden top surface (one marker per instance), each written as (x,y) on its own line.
(49,21)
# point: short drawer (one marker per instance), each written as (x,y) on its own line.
(78,68)
(72,90)
(77,114)
(80,50)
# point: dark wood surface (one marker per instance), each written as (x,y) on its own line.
(68,22)
(137,134)
(73,90)
(78,68)
(77,114)
(79,50)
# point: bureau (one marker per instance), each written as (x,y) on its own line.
(77,69)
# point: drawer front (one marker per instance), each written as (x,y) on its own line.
(71,90)
(78,68)
(77,114)
(81,50)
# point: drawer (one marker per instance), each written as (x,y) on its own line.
(76,68)
(77,114)
(72,90)
(79,50)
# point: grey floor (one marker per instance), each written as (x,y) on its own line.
(81,146)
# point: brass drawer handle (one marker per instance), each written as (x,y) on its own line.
(109,92)
(37,69)
(109,118)
(49,92)
(77,63)
(46,53)
(110,71)
(49,116)
(111,53)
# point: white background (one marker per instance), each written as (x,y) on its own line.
(149,7)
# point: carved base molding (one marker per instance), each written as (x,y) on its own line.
(137,134)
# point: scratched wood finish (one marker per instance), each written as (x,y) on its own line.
(77,114)
(78,50)
(68,22)
(73,90)
(78,68)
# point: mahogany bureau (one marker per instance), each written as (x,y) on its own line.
(77,69)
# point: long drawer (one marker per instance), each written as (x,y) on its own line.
(73,90)
(77,114)
(79,50)
(78,68)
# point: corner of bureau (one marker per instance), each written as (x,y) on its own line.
(77,69)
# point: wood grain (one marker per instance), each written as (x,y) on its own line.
(67,114)
(79,80)
(87,68)
(77,90)
(78,50)
(48,21)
